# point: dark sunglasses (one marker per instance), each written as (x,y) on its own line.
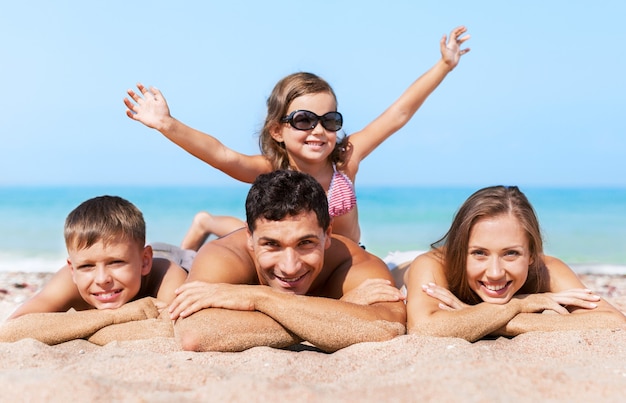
(307,120)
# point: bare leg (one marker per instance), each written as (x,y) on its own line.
(205,224)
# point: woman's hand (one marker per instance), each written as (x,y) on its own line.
(576,297)
(557,302)
(447,300)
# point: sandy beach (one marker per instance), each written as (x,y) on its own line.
(555,366)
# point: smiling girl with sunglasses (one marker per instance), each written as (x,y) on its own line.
(300,133)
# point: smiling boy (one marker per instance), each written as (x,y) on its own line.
(109,272)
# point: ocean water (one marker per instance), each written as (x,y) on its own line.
(584,227)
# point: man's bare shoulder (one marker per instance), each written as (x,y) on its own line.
(346,266)
(226,259)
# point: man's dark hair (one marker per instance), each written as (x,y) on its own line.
(285,193)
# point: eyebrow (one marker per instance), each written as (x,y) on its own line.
(302,238)
(506,247)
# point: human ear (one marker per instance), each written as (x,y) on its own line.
(72,271)
(276,131)
(328,235)
(146,260)
(250,240)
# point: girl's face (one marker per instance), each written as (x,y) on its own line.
(308,146)
(498,258)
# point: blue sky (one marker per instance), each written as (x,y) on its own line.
(539,100)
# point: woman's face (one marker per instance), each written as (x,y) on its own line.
(498,258)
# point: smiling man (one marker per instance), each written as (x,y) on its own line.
(286,279)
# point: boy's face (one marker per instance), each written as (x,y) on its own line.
(289,253)
(108,275)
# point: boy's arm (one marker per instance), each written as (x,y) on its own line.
(57,295)
(133,330)
(152,111)
(58,327)
(403,109)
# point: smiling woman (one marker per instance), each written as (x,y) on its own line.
(488,276)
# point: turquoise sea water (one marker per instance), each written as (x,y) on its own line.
(584,227)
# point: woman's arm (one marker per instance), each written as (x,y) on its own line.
(152,111)
(403,109)
(584,314)
(427,316)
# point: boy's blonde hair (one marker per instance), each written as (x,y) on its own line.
(104,218)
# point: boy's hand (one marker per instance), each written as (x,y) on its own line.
(141,309)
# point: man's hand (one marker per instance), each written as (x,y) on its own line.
(372,291)
(197,295)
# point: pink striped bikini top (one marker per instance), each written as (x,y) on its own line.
(341,195)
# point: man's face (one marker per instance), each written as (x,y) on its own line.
(108,275)
(289,253)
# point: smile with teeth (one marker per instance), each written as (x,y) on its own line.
(291,280)
(495,287)
(314,143)
(107,295)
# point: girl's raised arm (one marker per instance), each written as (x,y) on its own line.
(151,109)
(403,109)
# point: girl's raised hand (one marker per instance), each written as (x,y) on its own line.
(149,108)
(451,51)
